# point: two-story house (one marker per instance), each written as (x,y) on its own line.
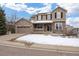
(53,22)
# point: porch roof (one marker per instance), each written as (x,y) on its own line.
(46,21)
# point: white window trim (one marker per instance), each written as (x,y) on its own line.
(48,17)
(58,15)
(39,17)
(59,25)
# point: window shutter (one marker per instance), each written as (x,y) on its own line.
(55,15)
(61,14)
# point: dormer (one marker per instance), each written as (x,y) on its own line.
(59,13)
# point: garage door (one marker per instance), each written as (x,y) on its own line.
(24,29)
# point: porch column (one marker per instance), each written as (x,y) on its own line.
(52,27)
(43,28)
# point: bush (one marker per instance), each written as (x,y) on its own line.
(13,30)
(3,29)
(29,44)
(13,39)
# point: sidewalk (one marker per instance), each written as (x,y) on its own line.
(10,36)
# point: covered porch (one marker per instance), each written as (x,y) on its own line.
(43,27)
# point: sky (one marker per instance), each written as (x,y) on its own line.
(26,10)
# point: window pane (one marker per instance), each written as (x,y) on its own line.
(58,15)
(58,26)
(48,17)
(39,17)
(61,14)
(55,15)
(51,16)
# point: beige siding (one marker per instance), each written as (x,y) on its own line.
(24,26)
(39,17)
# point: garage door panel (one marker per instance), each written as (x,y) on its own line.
(24,30)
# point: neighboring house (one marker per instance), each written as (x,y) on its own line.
(53,22)
(69,28)
(23,26)
(76,31)
(72,31)
(10,25)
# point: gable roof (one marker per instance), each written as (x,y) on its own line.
(22,19)
(60,8)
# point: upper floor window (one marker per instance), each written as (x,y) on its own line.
(41,17)
(50,16)
(46,17)
(37,17)
(55,15)
(58,15)
(61,14)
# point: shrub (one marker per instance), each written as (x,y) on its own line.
(29,44)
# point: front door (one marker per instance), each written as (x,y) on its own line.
(49,27)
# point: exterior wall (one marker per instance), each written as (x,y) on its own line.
(59,10)
(24,26)
(60,20)
(63,27)
(44,17)
(39,17)
(76,30)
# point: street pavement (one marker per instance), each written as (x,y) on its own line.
(15,51)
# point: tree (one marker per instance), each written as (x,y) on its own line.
(2,22)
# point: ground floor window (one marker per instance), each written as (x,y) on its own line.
(45,27)
(23,26)
(38,25)
(58,26)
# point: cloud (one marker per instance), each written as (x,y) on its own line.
(31,10)
(47,8)
(73,21)
(14,6)
(44,9)
(73,8)
(73,13)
